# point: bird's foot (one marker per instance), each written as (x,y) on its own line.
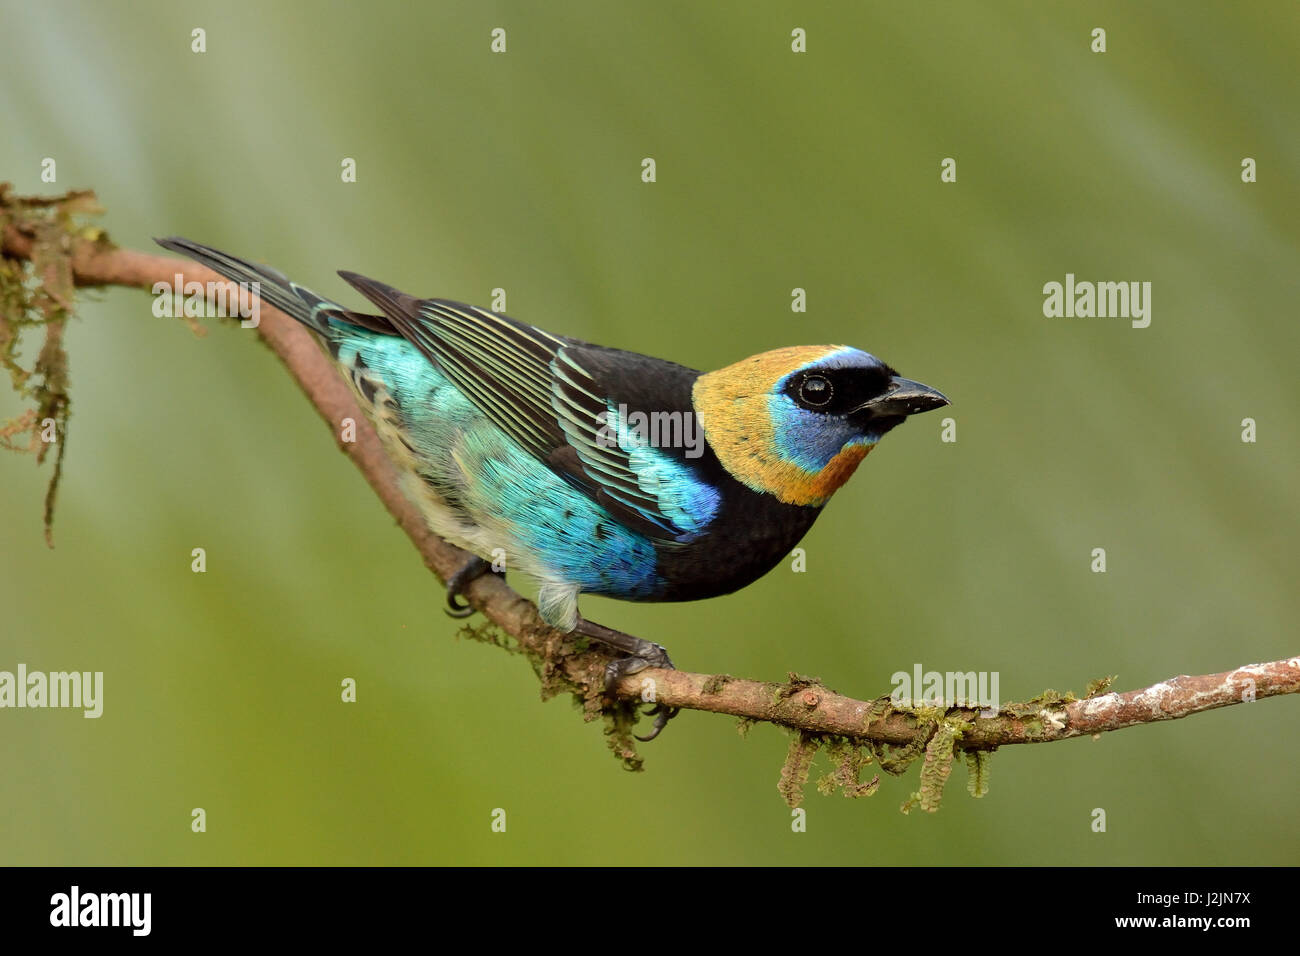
(638,655)
(474,568)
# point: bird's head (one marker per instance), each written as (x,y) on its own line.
(796,422)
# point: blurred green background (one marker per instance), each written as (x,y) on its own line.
(776,170)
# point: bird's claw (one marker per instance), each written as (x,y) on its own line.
(662,715)
(456,609)
(474,568)
(648,655)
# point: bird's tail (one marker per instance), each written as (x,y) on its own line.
(274,287)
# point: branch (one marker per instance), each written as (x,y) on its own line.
(818,714)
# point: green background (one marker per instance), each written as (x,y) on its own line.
(775,171)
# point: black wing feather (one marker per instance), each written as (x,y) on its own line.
(537,388)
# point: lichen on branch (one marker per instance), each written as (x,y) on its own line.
(36,298)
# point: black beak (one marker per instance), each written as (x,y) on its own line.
(904,397)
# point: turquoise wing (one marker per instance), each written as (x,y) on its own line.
(537,388)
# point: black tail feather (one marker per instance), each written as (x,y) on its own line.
(275,288)
(388,299)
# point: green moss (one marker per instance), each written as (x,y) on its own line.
(715,684)
(1098,686)
(37,297)
(937,766)
(850,760)
(977,767)
(798,762)
(485,632)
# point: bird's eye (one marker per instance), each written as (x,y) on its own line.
(816,390)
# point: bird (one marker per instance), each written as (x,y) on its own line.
(591,469)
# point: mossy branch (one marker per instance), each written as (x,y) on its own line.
(855,733)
